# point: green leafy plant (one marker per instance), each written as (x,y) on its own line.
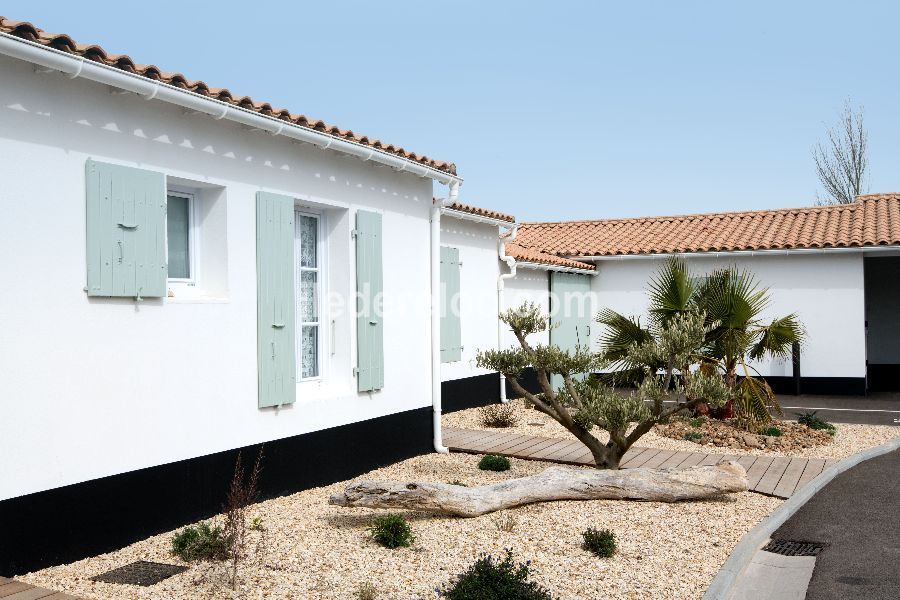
(813,421)
(498,415)
(493,462)
(693,436)
(257,524)
(697,421)
(366,591)
(732,304)
(663,363)
(772,431)
(391,531)
(601,542)
(492,578)
(201,543)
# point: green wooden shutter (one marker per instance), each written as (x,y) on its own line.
(451,328)
(570,313)
(126,231)
(369,287)
(275,299)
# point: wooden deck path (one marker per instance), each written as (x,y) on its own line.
(11,589)
(773,476)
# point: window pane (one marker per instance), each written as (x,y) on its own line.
(177,231)
(309,351)
(309,233)
(309,309)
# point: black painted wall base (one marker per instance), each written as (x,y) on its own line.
(823,386)
(73,522)
(481,390)
(883,378)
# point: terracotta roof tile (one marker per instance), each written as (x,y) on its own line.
(64,43)
(523,254)
(483,212)
(873,220)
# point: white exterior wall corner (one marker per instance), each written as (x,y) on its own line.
(477,244)
(96,387)
(824,290)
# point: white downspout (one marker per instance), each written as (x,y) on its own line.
(501,284)
(436,312)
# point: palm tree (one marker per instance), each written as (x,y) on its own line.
(733,303)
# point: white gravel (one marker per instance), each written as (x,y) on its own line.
(317,551)
(849,439)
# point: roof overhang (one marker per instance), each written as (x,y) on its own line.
(73,66)
(895,249)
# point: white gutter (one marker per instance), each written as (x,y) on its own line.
(501,284)
(561,269)
(73,66)
(718,254)
(436,209)
(465,216)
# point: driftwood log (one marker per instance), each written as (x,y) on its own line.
(555,483)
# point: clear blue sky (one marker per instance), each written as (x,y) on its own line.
(559,110)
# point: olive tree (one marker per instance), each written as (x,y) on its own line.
(583,404)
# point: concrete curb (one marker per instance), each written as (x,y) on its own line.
(723,585)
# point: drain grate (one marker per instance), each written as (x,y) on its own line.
(794,548)
(142,572)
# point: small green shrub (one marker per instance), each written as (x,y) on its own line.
(693,436)
(813,421)
(772,431)
(492,578)
(493,462)
(391,531)
(601,542)
(257,524)
(697,422)
(457,482)
(367,591)
(201,543)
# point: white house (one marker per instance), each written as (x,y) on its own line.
(836,267)
(194,274)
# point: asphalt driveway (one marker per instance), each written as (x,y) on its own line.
(874,409)
(857,517)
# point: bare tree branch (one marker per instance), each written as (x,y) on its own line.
(842,162)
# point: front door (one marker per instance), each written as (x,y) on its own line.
(570,313)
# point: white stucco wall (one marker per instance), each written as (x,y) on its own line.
(825,290)
(477,244)
(529,285)
(94,387)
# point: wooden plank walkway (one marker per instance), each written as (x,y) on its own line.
(11,589)
(773,476)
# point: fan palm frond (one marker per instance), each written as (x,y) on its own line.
(671,291)
(777,338)
(620,334)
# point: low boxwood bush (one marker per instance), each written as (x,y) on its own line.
(772,431)
(493,462)
(201,543)
(693,436)
(391,531)
(601,542)
(492,578)
(813,421)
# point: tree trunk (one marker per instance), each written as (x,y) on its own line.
(555,483)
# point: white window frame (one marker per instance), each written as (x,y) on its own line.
(319,270)
(193,236)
